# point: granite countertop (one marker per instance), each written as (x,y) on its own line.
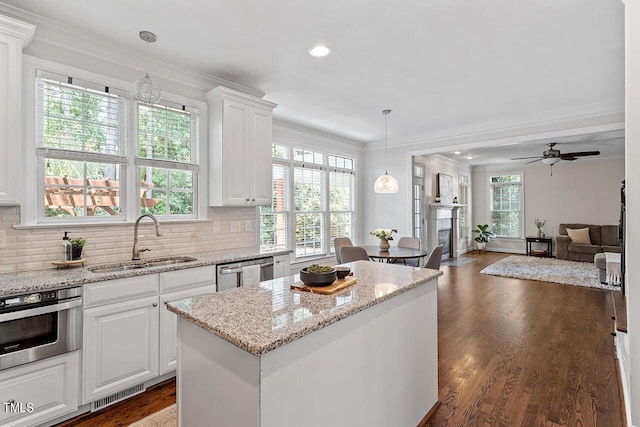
(38,280)
(263,317)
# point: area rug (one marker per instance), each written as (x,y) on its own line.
(167,417)
(548,270)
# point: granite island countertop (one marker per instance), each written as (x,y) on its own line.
(263,317)
(49,279)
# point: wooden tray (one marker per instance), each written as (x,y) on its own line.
(75,262)
(336,286)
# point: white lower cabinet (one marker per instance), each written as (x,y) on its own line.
(40,391)
(120,346)
(128,334)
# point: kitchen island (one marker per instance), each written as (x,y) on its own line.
(272,356)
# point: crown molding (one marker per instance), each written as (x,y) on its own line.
(53,33)
(17,29)
(608,115)
(293,133)
(450,162)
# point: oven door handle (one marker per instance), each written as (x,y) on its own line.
(21,314)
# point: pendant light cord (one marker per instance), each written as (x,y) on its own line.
(386,113)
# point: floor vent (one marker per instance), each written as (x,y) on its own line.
(117,397)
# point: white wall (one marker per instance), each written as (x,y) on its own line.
(632,238)
(386,210)
(583,191)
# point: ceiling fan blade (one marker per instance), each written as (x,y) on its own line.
(524,158)
(580,154)
(533,161)
(569,158)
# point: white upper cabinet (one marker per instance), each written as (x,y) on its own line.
(240,133)
(14,36)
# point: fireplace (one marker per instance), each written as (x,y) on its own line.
(442,228)
(444,236)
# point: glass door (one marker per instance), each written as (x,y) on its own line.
(418,203)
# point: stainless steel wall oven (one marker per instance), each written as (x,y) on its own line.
(38,325)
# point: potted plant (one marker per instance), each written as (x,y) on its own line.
(483,236)
(77,243)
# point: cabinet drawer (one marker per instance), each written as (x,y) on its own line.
(117,290)
(40,391)
(188,278)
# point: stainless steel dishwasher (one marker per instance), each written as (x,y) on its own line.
(229,276)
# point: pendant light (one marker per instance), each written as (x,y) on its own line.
(385,183)
(145,89)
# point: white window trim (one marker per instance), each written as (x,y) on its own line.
(29,176)
(489,202)
(292,164)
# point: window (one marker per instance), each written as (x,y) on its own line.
(84,147)
(463,212)
(506,205)
(167,160)
(80,150)
(312,204)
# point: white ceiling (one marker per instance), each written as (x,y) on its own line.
(438,64)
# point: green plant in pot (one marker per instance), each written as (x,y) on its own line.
(483,236)
(77,243)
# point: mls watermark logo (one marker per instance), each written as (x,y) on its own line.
(17,407)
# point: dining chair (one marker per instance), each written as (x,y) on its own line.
(411,243)
(337,243)
(353,253)
(435,258)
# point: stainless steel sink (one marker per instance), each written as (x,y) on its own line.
(137,265)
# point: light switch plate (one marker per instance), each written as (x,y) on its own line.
(3,239)
(248,225)
(236,226)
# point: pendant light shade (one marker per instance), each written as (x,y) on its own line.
(145,89)
(386,183)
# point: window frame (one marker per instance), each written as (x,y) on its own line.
(520,185)
(292,164)
(32,198)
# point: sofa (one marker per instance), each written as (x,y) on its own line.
(603,238)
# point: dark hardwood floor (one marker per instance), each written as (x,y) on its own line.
(511,353)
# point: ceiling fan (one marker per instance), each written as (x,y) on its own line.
(552,156)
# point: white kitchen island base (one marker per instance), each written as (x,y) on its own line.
(377,367)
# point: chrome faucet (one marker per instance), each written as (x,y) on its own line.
(136,252)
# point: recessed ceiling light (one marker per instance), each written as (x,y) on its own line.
(319,51)
(469,157)
(456,152)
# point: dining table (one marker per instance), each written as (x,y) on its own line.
(394,254)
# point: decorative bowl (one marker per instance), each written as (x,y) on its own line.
(342,272)
(318,279)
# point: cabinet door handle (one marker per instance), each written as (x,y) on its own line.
(246,200)
(155,304)
(253,200)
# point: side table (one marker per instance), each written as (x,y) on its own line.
(532,239)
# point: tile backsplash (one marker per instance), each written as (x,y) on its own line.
(36,248)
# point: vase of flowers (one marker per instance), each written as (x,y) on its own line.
(384,234)
(539,224)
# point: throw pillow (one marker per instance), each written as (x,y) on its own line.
(579,236)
